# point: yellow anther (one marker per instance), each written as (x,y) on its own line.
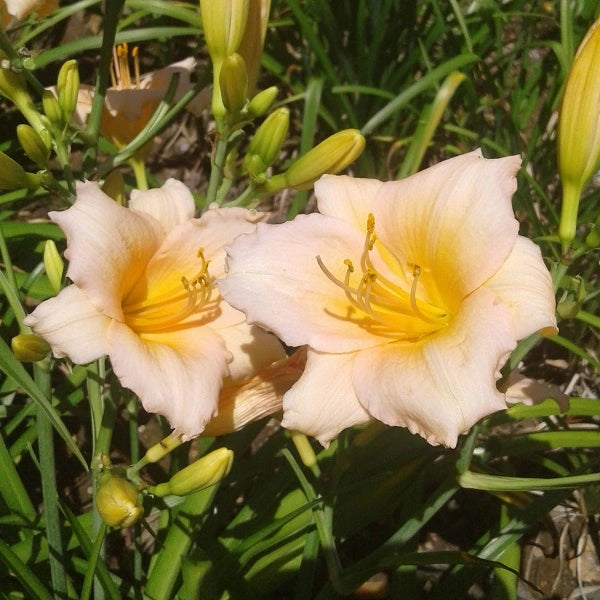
(136,64)
(370,223)
(349,264)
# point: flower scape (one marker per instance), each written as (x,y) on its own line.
(290,291)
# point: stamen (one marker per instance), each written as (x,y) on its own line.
(115,64)
(413,296)
(136,65)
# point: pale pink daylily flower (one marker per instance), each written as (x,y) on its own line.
(143,293)
(14,10)
(409,294)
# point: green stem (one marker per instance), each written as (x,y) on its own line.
(588,318)
(134,452)
(45,436)
(139,170)
(216,173)
(91,567)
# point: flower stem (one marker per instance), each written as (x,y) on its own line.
(139,170)
(216,173)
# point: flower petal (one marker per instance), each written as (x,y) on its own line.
(251,347)
(524,284)
(71,325)
(454,220)
(323,402)
(108,246)
(170,205)
(441,386)
(176,374)
(348,198)
(178,255)
(274,277)
(83,108)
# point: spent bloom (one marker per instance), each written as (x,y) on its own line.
(144,294)
(409,294)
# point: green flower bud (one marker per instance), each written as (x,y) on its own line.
(12,174)
(262,102)
(29,347)
(54,265)
(117,502)
(203,473)
(330,156)
(160,450)
(33,145)
(52,108)
(67,88)
(579,129)
(234,83)
(114,186)
(11,83)
(267,141)
(593,238)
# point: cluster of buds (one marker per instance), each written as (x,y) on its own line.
(579,130)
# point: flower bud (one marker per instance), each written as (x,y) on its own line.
(114,186)
(579,129)
(224,22)
(11,83)
(117,502)
(252,43)
(234,83)
(330,156)
(52,108)
(67,88)
(28,347)
(267,141)
(593,238)
(12,174)
(160,450)
(262,102)
(203,473)
(33,145)
(54,265)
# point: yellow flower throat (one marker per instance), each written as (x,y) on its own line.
(169,310)
(388,308)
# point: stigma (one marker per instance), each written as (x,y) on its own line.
(393,309)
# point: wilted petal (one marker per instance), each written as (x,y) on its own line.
(108,246)
(523,283)
(251,347)
(171,204)
(177,374)
(71,325)
(348,198)
(274,277)
(21,8)
(83,108)
(454,220)
(323,402)
(444,384)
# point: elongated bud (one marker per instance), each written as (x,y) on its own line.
(203,473)
(330,156)
(579,129)
(267,141)
(117,501)
(12,174)
(160,450)
(52,108)
(224,22)
(234,83)
(114,187)
(54,265)
(29,347)
(251,46)
(33,145)
(11,83)
(262,102)
(67,88)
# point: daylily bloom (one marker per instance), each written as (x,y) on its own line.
(143,293)
(130,102)
(409,294)
(19,9)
